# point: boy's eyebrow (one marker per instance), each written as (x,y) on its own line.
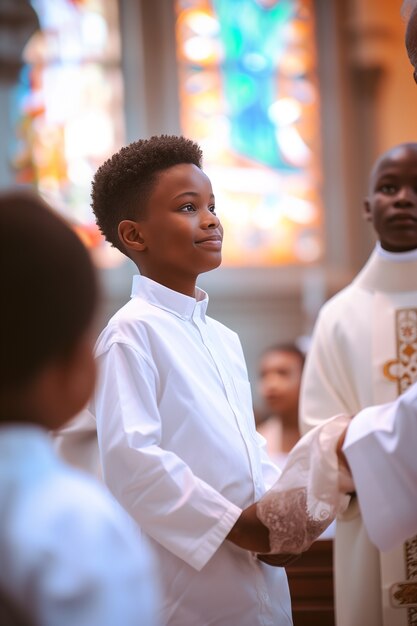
(190,193)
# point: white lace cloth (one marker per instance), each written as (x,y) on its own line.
(310,492)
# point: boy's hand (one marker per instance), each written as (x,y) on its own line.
(278,560)
(249,533)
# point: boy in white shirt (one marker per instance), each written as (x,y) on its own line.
(69,554)
(173,406)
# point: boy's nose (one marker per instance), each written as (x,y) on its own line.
(210,220)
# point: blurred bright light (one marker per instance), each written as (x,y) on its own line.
(202,23)
(284,111)
(254,61)
(298,210)
(91,133)
(80,172)
(202,49)
(94,32)
(293,146)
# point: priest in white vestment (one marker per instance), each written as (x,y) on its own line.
(364,352)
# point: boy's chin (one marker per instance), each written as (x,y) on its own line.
(213,265)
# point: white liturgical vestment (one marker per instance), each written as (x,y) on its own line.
(180,452)
(69,555)
(363,353)
(380,446)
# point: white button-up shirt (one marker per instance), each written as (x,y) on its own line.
(69,555)
(180,451)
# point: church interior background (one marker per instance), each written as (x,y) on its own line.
(291,101)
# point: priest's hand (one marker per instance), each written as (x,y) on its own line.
(339,451)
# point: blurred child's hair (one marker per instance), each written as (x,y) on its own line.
(122,185)
(49,288)
(290,348)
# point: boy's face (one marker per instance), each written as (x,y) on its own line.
(58,391)
(392,202)
(181,236)
(279,382)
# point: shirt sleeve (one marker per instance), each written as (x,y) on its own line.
(172,505)
(380,446)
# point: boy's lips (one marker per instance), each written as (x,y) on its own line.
(214,242)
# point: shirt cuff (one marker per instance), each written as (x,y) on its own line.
(214,538)
(365,423)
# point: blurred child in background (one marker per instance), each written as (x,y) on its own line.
(280,370)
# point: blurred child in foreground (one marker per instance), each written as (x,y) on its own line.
(69,554)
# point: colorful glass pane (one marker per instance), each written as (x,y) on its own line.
(69,106)
(249,96)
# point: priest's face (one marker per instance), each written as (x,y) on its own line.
(391,205)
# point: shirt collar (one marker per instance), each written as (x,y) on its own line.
(164,298)
(384,274)
(410,255)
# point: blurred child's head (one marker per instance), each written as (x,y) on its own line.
(411,33)
(49,297)
(391,204)
(153,202)
(280,370)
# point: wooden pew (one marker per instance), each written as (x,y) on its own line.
(310,579)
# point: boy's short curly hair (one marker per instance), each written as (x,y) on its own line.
(122,185)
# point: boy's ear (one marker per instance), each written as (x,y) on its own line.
(130,235)
(367,213)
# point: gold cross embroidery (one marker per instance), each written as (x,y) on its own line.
(403,369)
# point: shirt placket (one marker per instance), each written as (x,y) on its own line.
(233,400)
(255,465)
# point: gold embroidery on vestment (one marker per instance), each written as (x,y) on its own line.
(403,371)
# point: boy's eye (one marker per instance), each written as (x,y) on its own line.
(388,189)
(212,209)
(187,208)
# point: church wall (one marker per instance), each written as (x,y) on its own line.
(369,103)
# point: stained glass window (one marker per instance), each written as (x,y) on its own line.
(249,97)
(69,107)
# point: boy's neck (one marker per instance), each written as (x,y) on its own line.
(183,285)
(290,435)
